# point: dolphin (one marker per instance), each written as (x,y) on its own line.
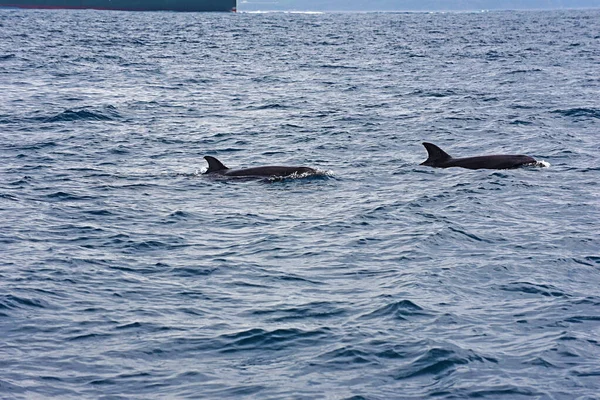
(216,167)
(440,159)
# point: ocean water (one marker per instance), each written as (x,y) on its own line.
(127,274)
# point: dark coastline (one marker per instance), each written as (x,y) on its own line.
(128,5)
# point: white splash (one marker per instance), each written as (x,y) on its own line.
(542,164)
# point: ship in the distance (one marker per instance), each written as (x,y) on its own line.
(126,5)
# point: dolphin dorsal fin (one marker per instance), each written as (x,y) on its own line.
(214,164)
(435,154)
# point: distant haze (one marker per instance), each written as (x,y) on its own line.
(411,5)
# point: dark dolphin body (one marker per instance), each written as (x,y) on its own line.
(216,167)
(440,159)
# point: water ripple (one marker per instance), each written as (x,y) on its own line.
(127,273)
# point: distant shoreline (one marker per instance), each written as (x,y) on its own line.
(417,11)
(410,6)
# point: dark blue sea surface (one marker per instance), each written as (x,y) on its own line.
(127,274)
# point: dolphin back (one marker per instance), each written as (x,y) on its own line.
(440,159)
(270,171)
(214,165)
(436,156)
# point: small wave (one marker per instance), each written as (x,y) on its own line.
(318,310)
(88,336)
(437,361)
(595,301)
(540,361)
(119,150)
(593,259)
(398,310)
(333,66)
(129,326)
(578,319)
(579,112)
(520,122)
(497,392)
(148,245)
(101,212)
(587,372)
(531,288)
(278,339)
(180,215)
(271,106)
(63,196)
(109,113)
(193,271)
(35,146)
(347,357)
(467,234)
(11,302)
(434,93)
(294,278)
(8,196)
(26,180)
(524,71)
(7,57)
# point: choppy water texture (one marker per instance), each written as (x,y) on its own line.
(125,273)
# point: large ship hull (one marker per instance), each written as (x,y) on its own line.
(126,5)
